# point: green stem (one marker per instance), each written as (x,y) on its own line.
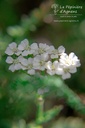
(40,109)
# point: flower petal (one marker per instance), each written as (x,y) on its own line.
(51,49)
(23,44)
(30,61)
(41,45)
(18,53)
(24,62)
(54,56)
(66,76)
(25,53)
(34,46)
(11,67)
(71,55)
(44,56)
(17,66)
(61,49)
(13,45)
(51,72)
(48,65)
(20,47)
(9,60)
(9,51)
(42,68)
(59,71)
(73,70)
(31,72)
(56,63)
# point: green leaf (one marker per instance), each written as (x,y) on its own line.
(64,91)
(50,114)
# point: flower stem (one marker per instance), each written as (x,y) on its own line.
(40,109)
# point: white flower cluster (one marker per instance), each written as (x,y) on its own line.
(41,57)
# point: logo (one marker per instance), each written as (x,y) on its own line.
(55,8)
(67,13)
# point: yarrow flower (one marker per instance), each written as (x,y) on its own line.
(41,57)
(28,65)
(40,61)
(15,63)
(53,68)
(69,64)
(41,49)
(54,53)
(25,48)
(12,49)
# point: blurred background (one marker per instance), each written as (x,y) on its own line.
(35,20)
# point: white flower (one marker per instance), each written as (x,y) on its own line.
(61,50)
(40,61)
(12,49)
(25,48)
(54,53)
(66,75)
(34,47)
(41,49)
(53,68)
(43,54)
(66,71)
(15,63)
(28,65)
(71,60)
(69,64)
